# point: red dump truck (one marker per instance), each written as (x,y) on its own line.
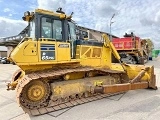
(132,49)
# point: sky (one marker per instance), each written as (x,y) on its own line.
(139,16)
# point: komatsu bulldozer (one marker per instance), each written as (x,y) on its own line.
(60,71)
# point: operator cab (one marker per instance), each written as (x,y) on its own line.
(51,26)
(44,24)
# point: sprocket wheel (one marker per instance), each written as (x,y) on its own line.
(35,94)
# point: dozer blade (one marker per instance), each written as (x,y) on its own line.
(139,73)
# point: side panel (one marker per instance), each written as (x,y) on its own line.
(25,52)
(63,51)
(89,55)
(94,55)
(30,49)
(52,51)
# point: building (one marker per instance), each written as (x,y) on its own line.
(3,51)
(83,32)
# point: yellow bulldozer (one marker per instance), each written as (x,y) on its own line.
(59,71)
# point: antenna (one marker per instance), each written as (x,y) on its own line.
(72,13)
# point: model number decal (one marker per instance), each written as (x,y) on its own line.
(47,56)
(63,46)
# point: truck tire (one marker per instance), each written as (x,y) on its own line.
(126,58)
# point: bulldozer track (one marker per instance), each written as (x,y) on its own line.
(69,104)
(48,105)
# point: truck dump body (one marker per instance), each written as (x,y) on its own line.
(126,43)
(132,49)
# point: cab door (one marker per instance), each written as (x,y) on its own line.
(53,46)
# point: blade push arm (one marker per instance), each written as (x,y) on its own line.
(108,43)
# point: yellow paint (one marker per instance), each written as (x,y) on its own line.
(13,84)
(72,87)
(27,55)
(30,49)
(98,83)
(109,44)
(47,12)
(133,70)
(63,54)
(73,76)
(101,59)
(23,52)
(36,92)
(63,90)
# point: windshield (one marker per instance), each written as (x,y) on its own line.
(32,29)
(72,31)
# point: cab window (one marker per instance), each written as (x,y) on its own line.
(57,30)
(72,31)
(51,28)
(46,28)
